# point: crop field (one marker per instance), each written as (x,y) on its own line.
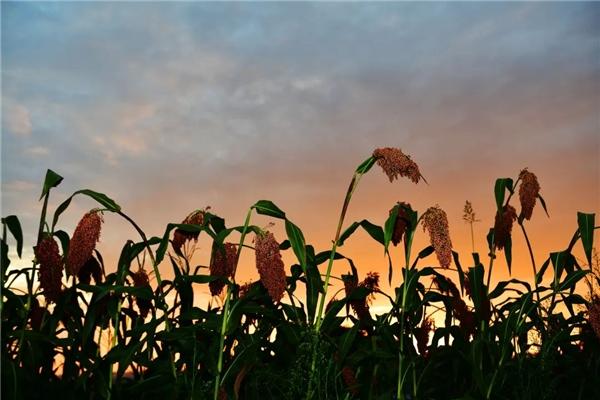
(80,329)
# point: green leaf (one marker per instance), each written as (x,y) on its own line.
(561,260)
(586,230)
(490,240)
(64,240)
(426,252)
(508,253)
(502,184)
(459,269)
(267,207)
(52,180)
(101,198)
(571,280)
(60,209)
(540,274)
(297,241)
(366,165)
(14,226)
(539,196)
(375,231)
(347,340)
(388,231)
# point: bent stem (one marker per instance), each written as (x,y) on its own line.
(351,188)
(226,308)
(532,260)
(319,317)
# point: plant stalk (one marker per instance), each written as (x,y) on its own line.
(226,309)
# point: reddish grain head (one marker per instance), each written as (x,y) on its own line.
(503,226)
(222,264)
(140,279)
(395,163)
(270,265)
(83,242)
(401,223)
(50,275)
(180,236)
(594,315)
(528,193)
(436,222)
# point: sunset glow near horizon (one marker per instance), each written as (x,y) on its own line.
(172,107)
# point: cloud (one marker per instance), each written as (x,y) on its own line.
(37,151)
(18,119)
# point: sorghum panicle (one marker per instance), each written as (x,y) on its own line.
(270,265)
(401,223)
(222,264)
(50,273)
(395,163)
(436,222)
(422,335)
(83,242)
(528,192)
(181,236)
(503,226)
(140,279)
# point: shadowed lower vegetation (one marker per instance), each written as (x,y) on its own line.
(81,329)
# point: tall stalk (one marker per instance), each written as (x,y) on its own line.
(400,381)
(532,259)
(351,188)
(226,308)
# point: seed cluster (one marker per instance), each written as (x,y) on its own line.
(222,264)
(181,236)
(528,192)
(83,242)
(422,335)
(503,226)
(436,222)
(140,279)
(371,283)
(395,163)
(402,222)
(48,256)
(270,265)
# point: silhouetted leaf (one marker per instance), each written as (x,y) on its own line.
(52,180)
(502,184)
(586,230)
(366,165)
(14,226)
(296,239)
(267,207)
(543,202)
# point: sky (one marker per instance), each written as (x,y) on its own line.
(172,107)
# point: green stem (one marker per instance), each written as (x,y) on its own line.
(492,257)
(226,308)
(318,318)
(472,239)
(351,188)
(532,260)
(400,382)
